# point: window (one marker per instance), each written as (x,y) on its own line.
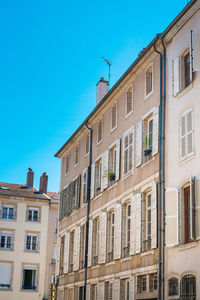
(129,101)
(112,165)
(33,214)
(173,286)
(67,164)
(114,117)
(96,241)
(100,131)
(153,282)
(62,246)
(31,242)
(111,232)
(94,291)
(71,250)
(187,218)
(148,138)
(98,176)
(76,155)
(81,293)
(87,144)
(128,152)
(186,134)
(8,212)
(127,226)
(149,81)
(147,223)
(6,240)
(29,278)
(5,276)
(85,186)
(186,73)
(141,284)
(108,291)
(124,289)
(53,255)
(82,255)
(188,287)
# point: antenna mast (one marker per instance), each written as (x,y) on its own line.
(109,64)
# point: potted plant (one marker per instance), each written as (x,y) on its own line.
(148,150)
(111,175)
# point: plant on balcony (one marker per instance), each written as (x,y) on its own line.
(111,175)
(148,149)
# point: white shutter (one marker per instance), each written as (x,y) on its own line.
(139,143)
(118,153)
(138,229)
(102,237)
(76,248)
(118,231)
(5,273)
(66,252)
(90,244)
(192,209)
(132,288)
(116,289)
(195,51)
(88,292)
(155,130)
(176,75)
(92,180)
(154,216)
(197,205)
(132,230)
(104,173)
(172,207)
(58,257)
(101,290)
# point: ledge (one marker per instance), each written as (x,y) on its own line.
(187,246)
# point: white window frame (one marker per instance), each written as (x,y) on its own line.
(32,209)
(128,219)
(32,268)
(87,136)
(77,162)
(127,133)
(113,128)
(6,234)
(99,162)
(127,290)
(32,235)
(147,209)
(131,111)
(8,208)
(67,158)
(185,113)
(145,91)
(99,141)
(84,183)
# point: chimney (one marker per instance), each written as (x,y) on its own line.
(43,183)
(102,89)
(30,175)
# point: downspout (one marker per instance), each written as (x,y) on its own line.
(88,210)
(159,184)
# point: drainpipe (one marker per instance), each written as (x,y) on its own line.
(88,210)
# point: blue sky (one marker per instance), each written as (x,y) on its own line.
(50,64)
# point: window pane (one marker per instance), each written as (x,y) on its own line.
(189,121)
(189,143)
(183,147)
(183,126)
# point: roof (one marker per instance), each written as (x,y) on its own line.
(55,197)
(21,190)
(141,55)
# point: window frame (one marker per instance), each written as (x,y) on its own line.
(111,127)
(77,157)
(29,208)
(66,163)
(32,268)
(32,235)
(147,95)
(168,286)
(87,139)
(127,133)
(98,175)
(8,207)
(99,141)
(7,234)
(127,114)
(8,287)
(185,136)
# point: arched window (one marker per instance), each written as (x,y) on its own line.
(172,286)
(188,287)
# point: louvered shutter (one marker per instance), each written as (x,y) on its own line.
(71,186)
(155,130)
(176,75)
(58,257)
(195,50)
(76,255)
(118,231)
(192,209)
(138,210)
(172,207)
(116,289)
(104,173)
(139,143)
(132,230)
(197,198)
(103,237)
(79,192)
(101,290)
(118,162)
(92,181)
(154,216)
(66,252)
(90,243)
(132,288)
(88,292)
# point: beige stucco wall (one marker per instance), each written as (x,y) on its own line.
(18,256)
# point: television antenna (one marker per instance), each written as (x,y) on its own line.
(109,64)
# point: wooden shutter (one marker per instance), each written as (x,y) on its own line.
(104,174)
(132,288)
(118,162)
(139,143)
(90,243)
(132,230)
(116,289)
(138,210)
(155,130)
(76,255)
(88,292)
(66,252)
(92,180)
(79,192)
(172,207)
(118,231)
(101,290)
(195,50)
(192,209)
(197,193)
(102,237)
(176,75)
(154,216)
(58,256)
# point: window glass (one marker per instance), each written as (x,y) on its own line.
(129,101)
(114,116)
(29,279)
(149,80)
(100,131)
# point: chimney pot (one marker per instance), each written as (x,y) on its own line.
(43,182)
(30,176)
(102,89)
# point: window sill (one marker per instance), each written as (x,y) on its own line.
(112,186)
(66,174)
(86,155)
(95,267)
(184,91)
(128,174)
(129,258)
(113,129)
(76,165)
(98,196)
(149,252)
(130,113)
(98,143)
(187,246)
(110,263)
(148,95)
(186,159)
(148,162)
